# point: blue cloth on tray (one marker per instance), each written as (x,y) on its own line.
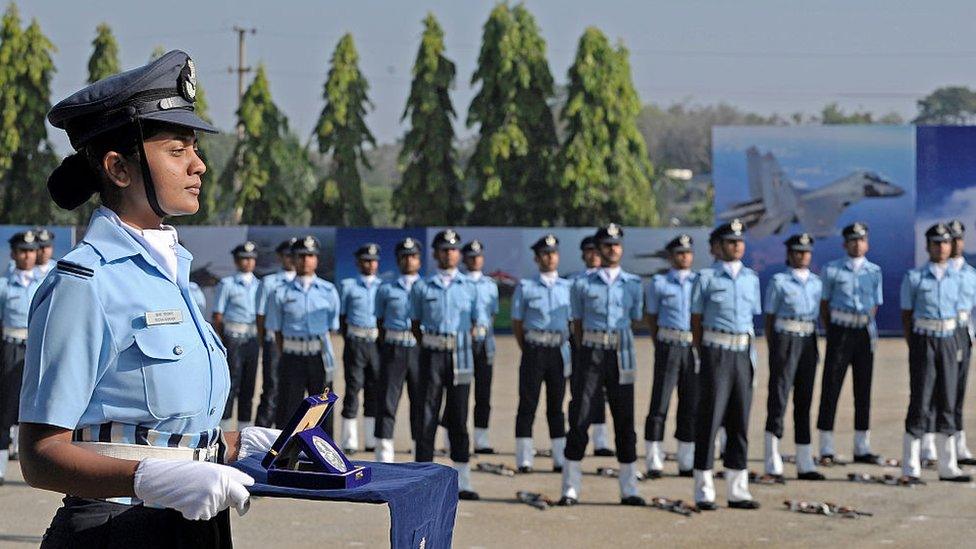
(423,498)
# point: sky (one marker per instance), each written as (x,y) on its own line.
(762,55)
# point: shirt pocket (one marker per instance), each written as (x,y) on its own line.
(175,369)
(717,297)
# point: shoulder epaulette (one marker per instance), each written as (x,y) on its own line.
(75,269)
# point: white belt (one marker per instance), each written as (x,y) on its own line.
(479,332)
(360,332)
(297,346)
(672,335)
(240,329)
(439,342)
(15,334)
(850,320)
(964,318)
(795,327)
(399,337)
(933,326)
(545,338)
(139,452)
(601,340)
(735,342)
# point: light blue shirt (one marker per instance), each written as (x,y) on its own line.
(301,314)
(727,304)
(849,291)
(967,298)
(787,296)
(670,299)
(441,309)
(237,299)
(928,297)
(198,297)
(358,302)
(113,339)
(542,307)
(487,302)
(269,283)
(15,299)
(393,304)
(605,307)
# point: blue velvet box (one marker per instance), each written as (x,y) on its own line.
(305,456)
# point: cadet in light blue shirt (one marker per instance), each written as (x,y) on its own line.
(930,297)
(540,322)
(269,348)
(301,314)
(234,318)
(964,339)
(724,301)
(852,294)
(198,297)
(792,306)
(16,291)
(361,354)
(483,345)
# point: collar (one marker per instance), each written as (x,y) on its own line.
(244,278)
(591,270)
(476,276)
(549,279)
(297,282)
(800,275)
(108,237)
(680,275)
(610,274)
(856,263)
(956,263)
(406,281)
(732,268)
(938,270)
(288,275)
(23,278)
(367,280)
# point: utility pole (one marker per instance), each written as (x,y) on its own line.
(241,70)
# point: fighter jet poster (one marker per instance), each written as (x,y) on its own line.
(946,183)
(781,180)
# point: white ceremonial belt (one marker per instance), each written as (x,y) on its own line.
(139,452)
(17,335)
(672,335)
(544,338)
(795,327)
(240,329)
(479,332)
(361,332)
(298,346)
(439,342)
(849,320)
(399,337)
(963,318)
(601,340)
(933,326)
(723,340)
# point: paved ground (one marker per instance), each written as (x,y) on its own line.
(940,513)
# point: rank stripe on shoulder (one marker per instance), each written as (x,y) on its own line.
(75,269)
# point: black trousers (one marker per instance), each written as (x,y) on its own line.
(965,349)
(242,359)
(437,385)
(597,370)
(933,374)
(674,366)
(541,365)
(361,364)
(846,347)
(724,398)
(482,383)
(792,366)
(600,400)
(11,374)
(269,383)
(299,375)
(399,364)
(89,523)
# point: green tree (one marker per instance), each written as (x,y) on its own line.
(512,161)
(11,93)
(342,132)
(951,105)
(603,165)
(430,189)
(104,60)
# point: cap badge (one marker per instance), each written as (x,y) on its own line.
(805,239)
(309,242)
(28,237)
(550,240)
(736,226)
(248,247)
(408,244)
(187,84)
(684,240)
(476,246)
(613,230)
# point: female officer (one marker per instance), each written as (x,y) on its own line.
(124,380)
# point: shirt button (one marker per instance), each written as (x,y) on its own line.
(178,350)
(212,410)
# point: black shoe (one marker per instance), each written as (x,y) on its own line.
(567,501)
(706,505)
(654,474)
(811,475)
(744,504)
(525,469)
(468,495)
(485,450)
(960,461)
(634,501)
(911,481)
(557,468)
(873,459)
(370,449)
(957,478)
(604,452)
(689,473)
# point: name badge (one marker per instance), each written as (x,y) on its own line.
(155,318)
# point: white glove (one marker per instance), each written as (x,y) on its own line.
(197,489)
(256,441)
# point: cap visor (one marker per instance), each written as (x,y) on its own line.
(679,249)
(181,117)
(368,257)
(610,241)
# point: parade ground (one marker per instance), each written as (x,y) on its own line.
(943,514)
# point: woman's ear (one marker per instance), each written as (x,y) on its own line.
(117,168)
